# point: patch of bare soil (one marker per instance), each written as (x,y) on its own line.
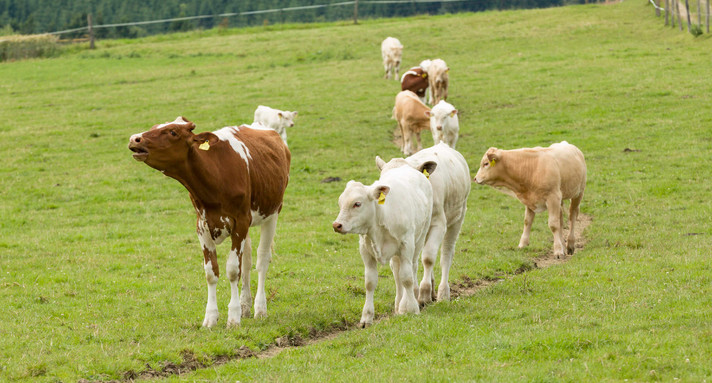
(463,288)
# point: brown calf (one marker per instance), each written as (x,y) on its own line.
(412,117)
(541,178)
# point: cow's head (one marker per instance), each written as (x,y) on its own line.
(487,173)
(286,118)
(439,116)
(426,167)
(357,207)
(166,145)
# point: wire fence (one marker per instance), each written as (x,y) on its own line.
(677,11)
(354,3)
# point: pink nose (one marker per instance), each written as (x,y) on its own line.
(136,138)
(337,227)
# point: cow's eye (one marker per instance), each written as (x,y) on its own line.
(173,133)
(357,204)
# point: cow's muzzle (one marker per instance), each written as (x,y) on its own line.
(135,145)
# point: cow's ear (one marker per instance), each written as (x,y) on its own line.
(280,115)
(205,140)
(453,113)
(428,113)
(380,163)
(379,193)
(428,167)
(492,154)
(294,114)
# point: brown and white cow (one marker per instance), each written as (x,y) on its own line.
(236,177)
(439,80)
(541,178)
(416,81)
(413,117)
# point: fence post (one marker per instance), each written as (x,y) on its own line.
(689,23)
(356,12)
(707,19)
(91,31)
(667,11)
(699,14)
(657,9)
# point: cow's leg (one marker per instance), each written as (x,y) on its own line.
(407,138)
(212,272)
(388,71)
(446,255)
(554,207)
(246,267)
(528,220)
(430,254)
(239,238)
(420,146)
(397,69)
(408,303)
(370,283)
(264,255)
(573,216)
(395,268)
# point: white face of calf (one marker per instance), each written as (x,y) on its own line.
(438,118)
(488,170)
(286,119)
(357,207)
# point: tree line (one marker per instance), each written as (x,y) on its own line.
(41,16)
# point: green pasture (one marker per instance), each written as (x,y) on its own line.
(100,267)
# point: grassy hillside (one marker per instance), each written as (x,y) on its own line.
(100,268)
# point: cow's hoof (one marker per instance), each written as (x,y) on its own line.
(259,314)
(570,250)
(233,322)
(210,320)
(364,325)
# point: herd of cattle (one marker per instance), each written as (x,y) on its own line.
(237,176)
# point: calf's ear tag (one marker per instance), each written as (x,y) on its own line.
(492,163)
(204,146)
(425,172)
(381,199)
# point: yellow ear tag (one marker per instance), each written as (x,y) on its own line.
(381,199)
(492,163)
(425,75)
(204,146)
(427,175)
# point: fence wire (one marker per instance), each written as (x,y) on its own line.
(247,13)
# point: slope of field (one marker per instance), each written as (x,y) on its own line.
(100,267)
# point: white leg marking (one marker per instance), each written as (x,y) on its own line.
(232,268)
(264,255)
(211,308)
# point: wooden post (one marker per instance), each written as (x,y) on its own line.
(679,16)
(657,9)
(667,12)
(689,23)
(356,12)
(707,19)
(91,31)
(699,14)
(672,13)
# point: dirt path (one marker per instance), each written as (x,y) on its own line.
(464,288)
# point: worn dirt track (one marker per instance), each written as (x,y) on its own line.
(463,288)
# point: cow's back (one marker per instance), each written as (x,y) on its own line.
(410,110)
(409,202)
(572,168)
(268,168)
(450,180)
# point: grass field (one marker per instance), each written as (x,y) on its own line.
(100,268)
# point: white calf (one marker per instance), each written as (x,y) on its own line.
(391,51)
(451,186)
(392,217)
(444,123)
(277,120)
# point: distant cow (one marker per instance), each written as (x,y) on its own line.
(236,178)
(541,178)
(392,217)
(391,51)
(416,81)
(412,117)
(444,124)
(438,78)
(451,186)
(277,120)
